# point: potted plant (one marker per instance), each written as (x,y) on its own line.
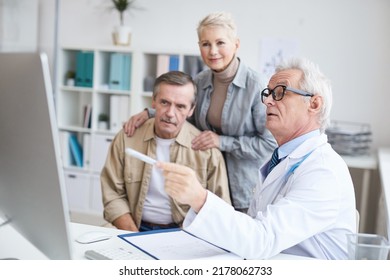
(122,33)
(70,78)
(103,121)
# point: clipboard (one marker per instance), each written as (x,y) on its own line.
(175,244)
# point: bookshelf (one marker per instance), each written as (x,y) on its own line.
(96,83)
(151,65)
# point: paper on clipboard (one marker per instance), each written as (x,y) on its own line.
(175,244)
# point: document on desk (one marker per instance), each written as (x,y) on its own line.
(175,244)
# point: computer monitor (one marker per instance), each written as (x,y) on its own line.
(32,189)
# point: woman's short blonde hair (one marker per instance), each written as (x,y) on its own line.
(218,19)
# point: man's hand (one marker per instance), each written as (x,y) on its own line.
(135,122)
(182,185)
(206,140)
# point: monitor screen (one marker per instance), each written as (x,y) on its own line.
(32,190)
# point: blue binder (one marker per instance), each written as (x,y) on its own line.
(173,63)
(76,150)
(84,69)
(115,71)
(88,69)
(120,71)
(80,73)
(127,72)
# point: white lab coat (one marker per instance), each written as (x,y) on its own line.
(304,211)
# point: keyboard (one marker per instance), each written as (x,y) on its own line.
(115,253)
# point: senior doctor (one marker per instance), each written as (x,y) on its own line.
(304,203)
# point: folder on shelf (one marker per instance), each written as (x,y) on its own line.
(88,69)
(87,116)
(173,63)
(84,69)
(162,64)
(120,71)
(116,81)
(119,111)
(65,148)
(193,65)
(80,73)
(86,150)
(76,150)
(166,63)
(126,71)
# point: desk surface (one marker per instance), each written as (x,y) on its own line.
(14,245)
(361,161)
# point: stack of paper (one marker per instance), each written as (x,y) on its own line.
(349,138)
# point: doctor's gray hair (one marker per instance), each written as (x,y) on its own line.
(218,19)
(313,81)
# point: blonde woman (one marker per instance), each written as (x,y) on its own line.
(229,110)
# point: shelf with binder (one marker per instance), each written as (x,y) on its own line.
(73,152)
(84,151)
(93,81)
(113,92)
(115,105)
(156,63)
(114,71)
(83,182)
(81,63)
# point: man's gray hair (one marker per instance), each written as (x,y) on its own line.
(177,78)
(313,81)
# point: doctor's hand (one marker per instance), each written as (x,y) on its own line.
(206,140)
(135,122)
(182,185)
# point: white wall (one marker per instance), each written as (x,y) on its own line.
(47,34)
(18,25)
(349,39)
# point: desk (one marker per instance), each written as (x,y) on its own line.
(367,163)
(384,170)
(13,244)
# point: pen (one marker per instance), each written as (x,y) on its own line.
(140,156)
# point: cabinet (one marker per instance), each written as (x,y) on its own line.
(96,83)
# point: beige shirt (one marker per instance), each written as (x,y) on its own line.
(125,179)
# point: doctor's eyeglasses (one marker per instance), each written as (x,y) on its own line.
(279,91)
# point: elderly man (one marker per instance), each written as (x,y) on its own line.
(304,203)
(133,191)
